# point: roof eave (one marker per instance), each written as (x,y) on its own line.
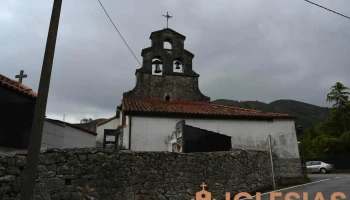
(106,121)
(20,92)
(72,126)
(162,114)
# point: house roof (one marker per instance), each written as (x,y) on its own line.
(71,125)
(194,109)
(16,86)
(106,121)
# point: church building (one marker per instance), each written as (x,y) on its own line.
(167,92)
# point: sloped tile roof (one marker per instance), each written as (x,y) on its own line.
(194,109)
(71,125)
(16,86)
(106,121)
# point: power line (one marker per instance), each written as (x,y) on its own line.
(328,9)
(119,33)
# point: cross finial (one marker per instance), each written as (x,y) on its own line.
(21,75)
(167,18)
(203,186)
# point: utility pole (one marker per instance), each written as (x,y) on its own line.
(28,187)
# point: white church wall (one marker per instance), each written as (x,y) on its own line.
(120,117)
(151,133)
(126,132)
(113,124)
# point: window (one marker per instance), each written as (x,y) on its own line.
(315,163)
(308,163)
(167,98)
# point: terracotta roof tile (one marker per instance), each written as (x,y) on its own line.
(193,108)
(106,120)
(16,86)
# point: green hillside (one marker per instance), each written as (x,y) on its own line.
(308,115)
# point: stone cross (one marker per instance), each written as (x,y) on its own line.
(203,186)
(21,75)
(167,18)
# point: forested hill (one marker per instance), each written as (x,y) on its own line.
(308,115)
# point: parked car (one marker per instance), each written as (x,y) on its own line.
(319,167)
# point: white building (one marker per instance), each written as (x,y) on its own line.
(58,134)
(106,126)
(167,91)
(147,129)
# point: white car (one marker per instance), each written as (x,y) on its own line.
(319,167)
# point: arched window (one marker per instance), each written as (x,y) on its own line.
(167,44)
(167,98)
(157,66)
(177,66)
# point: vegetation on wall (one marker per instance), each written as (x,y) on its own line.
(120,146)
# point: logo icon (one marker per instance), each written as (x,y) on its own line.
(203,195)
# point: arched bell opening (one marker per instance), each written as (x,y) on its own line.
(167,44)
(177,66)
(157,66)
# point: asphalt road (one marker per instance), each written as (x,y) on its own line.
(327,184)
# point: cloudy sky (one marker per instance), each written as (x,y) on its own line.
(244,49)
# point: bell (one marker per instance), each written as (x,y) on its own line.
(157,70)
(177,63)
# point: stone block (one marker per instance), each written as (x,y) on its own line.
(20,161)
(7,178)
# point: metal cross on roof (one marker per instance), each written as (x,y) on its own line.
(21,75)
(167,18)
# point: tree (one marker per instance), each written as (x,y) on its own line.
(340,96)
(86,120)
(331,137)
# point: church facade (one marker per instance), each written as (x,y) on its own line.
(167,91)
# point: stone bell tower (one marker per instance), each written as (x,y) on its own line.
(167,71)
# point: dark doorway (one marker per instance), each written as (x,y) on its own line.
(199,140)
(110,137)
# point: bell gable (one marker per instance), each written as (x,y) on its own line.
(166,71)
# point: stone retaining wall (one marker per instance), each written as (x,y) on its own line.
(108,174)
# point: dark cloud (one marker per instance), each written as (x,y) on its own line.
(244,50)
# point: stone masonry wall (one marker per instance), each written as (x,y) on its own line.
(157,87)
(124,175)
